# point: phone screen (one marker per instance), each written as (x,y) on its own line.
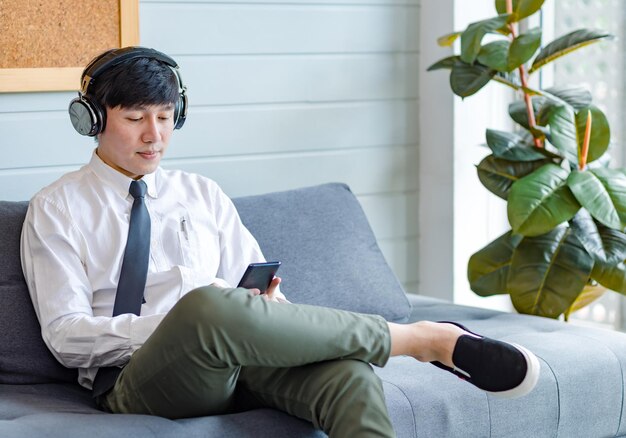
(259,275)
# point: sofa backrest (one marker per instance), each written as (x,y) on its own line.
(330,257)
(24,358)
(327,248)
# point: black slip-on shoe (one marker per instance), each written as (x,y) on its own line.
(500,368)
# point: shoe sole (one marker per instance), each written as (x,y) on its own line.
(529,382)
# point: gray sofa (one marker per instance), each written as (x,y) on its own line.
(330,257)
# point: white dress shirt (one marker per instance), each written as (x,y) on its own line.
(73,243)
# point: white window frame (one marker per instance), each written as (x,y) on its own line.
(457,215)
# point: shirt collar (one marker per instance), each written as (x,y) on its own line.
(118,180)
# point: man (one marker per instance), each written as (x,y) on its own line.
(194,345)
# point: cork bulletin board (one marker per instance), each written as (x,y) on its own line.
(45,44)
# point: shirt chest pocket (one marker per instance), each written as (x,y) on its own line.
(190,243)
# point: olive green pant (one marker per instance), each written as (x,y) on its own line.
(223,350)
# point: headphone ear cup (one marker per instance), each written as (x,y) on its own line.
(86,116)
(101,117)
(180,111)
(176,113)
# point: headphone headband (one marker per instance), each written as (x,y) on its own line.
(88,118)
(114,57)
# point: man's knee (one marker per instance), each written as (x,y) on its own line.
(211,304)
(198,298)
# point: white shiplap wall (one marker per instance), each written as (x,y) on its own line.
(283,94)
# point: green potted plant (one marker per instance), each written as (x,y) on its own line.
(565,205)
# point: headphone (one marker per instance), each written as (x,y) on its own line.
(89,118)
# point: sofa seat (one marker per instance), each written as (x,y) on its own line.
(579,393)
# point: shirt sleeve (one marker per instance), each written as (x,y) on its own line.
(238,247)
(52,251)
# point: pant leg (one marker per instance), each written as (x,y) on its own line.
(344,397)
(191,363)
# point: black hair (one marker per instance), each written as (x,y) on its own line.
(136,82)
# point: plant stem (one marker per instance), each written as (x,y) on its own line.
(582,158)
(522,74)
(529,107)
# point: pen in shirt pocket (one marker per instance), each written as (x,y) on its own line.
(183,228)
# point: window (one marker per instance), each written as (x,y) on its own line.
(600,69)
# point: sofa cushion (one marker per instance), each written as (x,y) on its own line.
(68,411)
(580,392)
(329,253)
(24,358)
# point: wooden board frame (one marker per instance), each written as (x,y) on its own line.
(14,80)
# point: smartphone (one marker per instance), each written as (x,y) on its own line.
(259,275)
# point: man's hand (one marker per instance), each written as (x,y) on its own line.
(272,294)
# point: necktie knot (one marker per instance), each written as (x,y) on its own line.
(138,189)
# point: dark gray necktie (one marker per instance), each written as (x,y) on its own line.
(132,282)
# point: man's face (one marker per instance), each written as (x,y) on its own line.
(135,139)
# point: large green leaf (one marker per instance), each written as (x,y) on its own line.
(505,56)
(488,269)
(555,97)
(566,44)
(548,272)
(495,55)
(498,175)
(567,128)
(445,63)
(603,193)
(521,8)
(472,37)
(523,48)
(575,96)
(467,79)
(510,146)
(611,275)
(540,201)
(563,134)
(605,244)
